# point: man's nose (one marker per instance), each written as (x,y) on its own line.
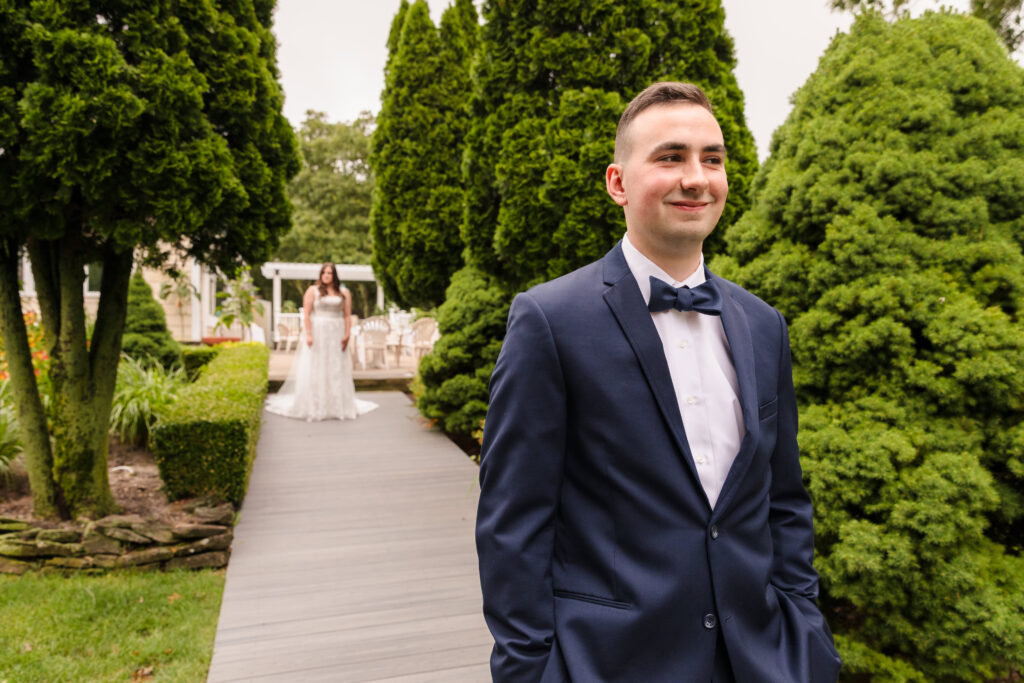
(692,177)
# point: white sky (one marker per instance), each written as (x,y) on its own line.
(331,53)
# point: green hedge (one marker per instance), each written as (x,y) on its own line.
(205,442)
(196,358)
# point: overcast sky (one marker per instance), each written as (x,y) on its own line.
(331,53)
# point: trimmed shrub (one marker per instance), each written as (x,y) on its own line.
(146,337)
(196,358)
(887,228)
(454,375)
(205,442)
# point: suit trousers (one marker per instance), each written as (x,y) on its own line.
(722,673)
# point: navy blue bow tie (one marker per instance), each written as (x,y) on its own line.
(703,298)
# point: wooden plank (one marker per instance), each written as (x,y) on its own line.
(354,557)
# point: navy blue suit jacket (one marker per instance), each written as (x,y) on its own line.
(600,557)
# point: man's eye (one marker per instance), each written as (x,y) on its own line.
(716,161)
(669,157)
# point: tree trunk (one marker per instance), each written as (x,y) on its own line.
(35,439)
(83,375)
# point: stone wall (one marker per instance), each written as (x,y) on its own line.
(120,541)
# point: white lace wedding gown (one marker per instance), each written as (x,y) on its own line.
(319,384)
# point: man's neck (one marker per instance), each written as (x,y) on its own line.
(679,264)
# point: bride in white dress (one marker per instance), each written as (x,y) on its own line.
(319,384)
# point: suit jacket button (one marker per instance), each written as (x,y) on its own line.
(714,532)
(710,621)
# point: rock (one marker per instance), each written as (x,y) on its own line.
(59,535)
(146,556)
(105,561)
(9,527)
(96,543)
(71,562)
(197,530)
(27,534)
(161,533)
(14,566)
(123,534)
(222,514)
(50,549)
(213,560)
(201,502)
(120,521)
(221,542)
(18,548)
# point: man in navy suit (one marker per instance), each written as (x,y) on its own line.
(642,515)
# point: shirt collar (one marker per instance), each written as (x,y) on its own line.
(643,268)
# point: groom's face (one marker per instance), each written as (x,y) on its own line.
(670,178)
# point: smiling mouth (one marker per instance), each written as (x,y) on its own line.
(690,206)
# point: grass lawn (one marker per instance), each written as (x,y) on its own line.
(122,626)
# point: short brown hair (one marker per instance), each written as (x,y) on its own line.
(663,92)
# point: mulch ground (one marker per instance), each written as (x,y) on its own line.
(134,481)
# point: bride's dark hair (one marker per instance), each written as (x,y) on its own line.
(335,282)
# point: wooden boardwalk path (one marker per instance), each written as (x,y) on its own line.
(354,558)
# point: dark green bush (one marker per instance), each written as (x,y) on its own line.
(886,225)
(196,358)
(454,375)
(146,337)
(205,442)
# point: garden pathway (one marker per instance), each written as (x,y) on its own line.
(353,558)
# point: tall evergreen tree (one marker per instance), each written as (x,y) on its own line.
(417,154)
(887,227)
(550,82)
(386,241)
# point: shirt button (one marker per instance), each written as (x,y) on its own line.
(701,460)
(710,621)
(714,532)
(683,344)
(691,400)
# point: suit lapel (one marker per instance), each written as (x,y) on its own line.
(737,331)
(627,305)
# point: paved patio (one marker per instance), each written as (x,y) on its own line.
(354,558)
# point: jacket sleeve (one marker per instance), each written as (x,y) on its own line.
(521,473)
(791,516)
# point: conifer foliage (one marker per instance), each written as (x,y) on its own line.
(146,337)
(887,227)
(550,82)
(417,153)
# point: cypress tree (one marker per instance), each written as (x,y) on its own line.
(887,227)
(146,337)
(417,155)
(385,238)
(550,82)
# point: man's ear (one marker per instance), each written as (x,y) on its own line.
(613,181)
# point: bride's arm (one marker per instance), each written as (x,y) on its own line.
(307,305)
(348,317)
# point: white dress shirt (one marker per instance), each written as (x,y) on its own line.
(703,376)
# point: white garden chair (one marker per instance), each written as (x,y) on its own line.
(373,334)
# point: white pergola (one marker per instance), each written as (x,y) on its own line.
(279,270)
